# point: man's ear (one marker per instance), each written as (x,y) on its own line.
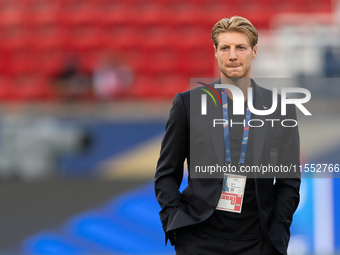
(254,51)
(215,50)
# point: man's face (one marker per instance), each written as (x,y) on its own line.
(234,55)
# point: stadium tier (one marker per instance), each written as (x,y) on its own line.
(164,42)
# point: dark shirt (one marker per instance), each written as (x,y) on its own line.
(244,225)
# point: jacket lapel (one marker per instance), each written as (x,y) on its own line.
(217,133)
(259,132)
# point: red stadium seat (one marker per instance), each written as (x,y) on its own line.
(124,39)
(47,37)
(122,15)
(13,35)
(159,39)
(155,15)
(144,87)
(48,63)
(42,6)
(7,89)
(83,38)
(20,62)
(33,87)
(165,41)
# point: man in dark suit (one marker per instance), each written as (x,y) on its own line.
(254,215)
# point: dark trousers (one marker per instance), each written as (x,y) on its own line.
(190,241)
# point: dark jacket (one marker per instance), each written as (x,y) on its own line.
(191,136)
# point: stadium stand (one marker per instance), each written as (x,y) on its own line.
(163,41)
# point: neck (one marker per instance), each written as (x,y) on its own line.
(241,83)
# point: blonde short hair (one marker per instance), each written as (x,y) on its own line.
(235,24)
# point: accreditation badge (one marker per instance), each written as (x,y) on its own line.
(232,194)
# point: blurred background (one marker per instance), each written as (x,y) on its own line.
(86,87)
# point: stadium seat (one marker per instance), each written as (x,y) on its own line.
(13,36)
(82,38)
(170,37)
(33,87)
(7,91)
(49,62)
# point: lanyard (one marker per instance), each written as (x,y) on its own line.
(226,131)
